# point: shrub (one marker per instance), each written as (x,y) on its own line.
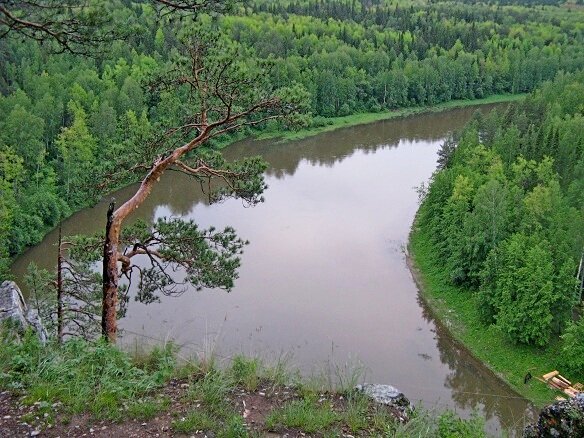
(573,348)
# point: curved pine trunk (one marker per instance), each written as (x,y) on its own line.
(109,326)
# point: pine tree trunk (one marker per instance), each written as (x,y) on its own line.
(109,325)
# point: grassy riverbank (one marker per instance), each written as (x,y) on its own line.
(365,118)
(95,389)
(458,310)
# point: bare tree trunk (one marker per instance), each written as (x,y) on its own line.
(580,277)
(109,326)
(60,288)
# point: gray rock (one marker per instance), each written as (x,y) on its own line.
(564,418)
(12,305)
(384,394)
(34,320)
(13,309)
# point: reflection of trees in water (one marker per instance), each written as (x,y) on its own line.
(332,147)
(472,385)
(178,195)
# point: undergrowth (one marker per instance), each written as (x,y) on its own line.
(101,380)
(84,377)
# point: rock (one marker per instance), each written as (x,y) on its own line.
(34,320)
(13,309)
(562,419)
(12,305)
(384,394)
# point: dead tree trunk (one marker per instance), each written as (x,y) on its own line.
(60,323)
(580,277)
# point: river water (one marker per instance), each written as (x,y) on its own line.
(324,282)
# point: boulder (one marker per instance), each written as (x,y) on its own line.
(389,396)
(14,310)
(564,418)
(384,394)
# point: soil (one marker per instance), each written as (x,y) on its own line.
(18,419)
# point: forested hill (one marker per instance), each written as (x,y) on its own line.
(505,215)
(66,120)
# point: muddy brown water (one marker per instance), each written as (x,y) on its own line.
(324,283)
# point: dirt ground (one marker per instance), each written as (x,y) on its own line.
(18,419)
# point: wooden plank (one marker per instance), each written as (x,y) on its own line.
(563,379)
(550,375)
(558,383)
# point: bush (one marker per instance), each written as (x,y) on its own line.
(573,349)
(451,426)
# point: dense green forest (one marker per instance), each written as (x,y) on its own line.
(505,214)
(66,120)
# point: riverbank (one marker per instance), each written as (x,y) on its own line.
(457,309)
(331,125)
(334,123)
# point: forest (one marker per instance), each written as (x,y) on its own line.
(81,109)
(504,212)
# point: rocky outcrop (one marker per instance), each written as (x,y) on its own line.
(389,396)
(562,419)
(14,310)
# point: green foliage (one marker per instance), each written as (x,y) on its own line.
(212,390)
(245,372)
(234,428)
(193,421)
(451,426)
(96,378)
(573,348)
(500,214)
(307,415)
(524,293)
(146,409)
(101,380)
(87,119)
(355,415)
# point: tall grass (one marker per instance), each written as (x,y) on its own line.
(84,377)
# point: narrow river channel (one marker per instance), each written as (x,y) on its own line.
(324,281)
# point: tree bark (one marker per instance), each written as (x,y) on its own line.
(115,217)
(113,228)
(60,318)
(109,326)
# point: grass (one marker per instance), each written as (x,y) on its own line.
(96,378)
(212,390)
(364,118)
(100,380)
(194,421)
(147,409)
(245,372)
(307,415)
(457,309)
(355,415)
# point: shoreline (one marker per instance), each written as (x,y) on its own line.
(444,325)
(336,123)
(367,118)
(508,362)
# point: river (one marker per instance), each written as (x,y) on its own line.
(324,283)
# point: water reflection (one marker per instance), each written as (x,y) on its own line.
(473,387)
(325,276)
